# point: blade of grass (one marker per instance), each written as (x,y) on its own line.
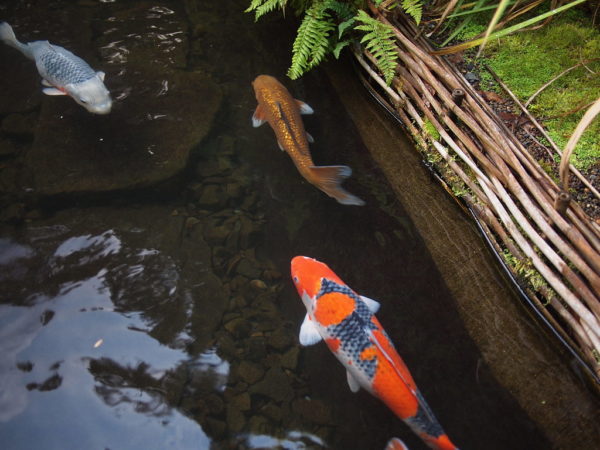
(462,25)
(585,121)
(476,10)
(495,19)
(504,32)
(451,7)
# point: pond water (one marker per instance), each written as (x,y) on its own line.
(165,317)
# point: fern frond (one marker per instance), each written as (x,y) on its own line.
(312,41)
(338,48)
(347,24)
(262,7)
(343,10)
(379,40)
(414,8)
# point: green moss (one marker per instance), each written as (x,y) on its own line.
(526,61)
(525,269)
(473,29)
(431,130)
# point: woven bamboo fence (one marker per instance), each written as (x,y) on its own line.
(551,245)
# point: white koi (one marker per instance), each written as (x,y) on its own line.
(63,73)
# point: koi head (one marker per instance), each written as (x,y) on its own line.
(263,81)
(91,94)
(308,274)
(396,444)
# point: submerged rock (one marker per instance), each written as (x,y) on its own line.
(235,420)
(272,411)
(19,124)
(312,410)
(250,372)
(275,385)
(216,428)
(259,425)
(21,90)
(247,268)
(143,141)
(289,359)
(7,147)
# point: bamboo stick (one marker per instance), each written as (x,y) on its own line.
(503,170)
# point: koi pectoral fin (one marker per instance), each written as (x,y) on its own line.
(258,118)
(373,305)
(53,91)
(309,335)
(352,383)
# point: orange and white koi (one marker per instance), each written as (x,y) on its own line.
(396,444)
(277,106)
(347,324)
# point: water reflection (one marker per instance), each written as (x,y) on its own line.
(171,323)
(212,368)
(10,252)
(63,347)
(294,440)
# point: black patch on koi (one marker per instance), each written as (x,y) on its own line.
(424,421)
(352,331)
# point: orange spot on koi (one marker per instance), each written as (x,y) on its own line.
(333,344)
(332,308)
(369,353)
(393,382)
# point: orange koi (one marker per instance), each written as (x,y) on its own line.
(277,106)
(347,324)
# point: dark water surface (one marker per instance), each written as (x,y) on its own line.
(166,318)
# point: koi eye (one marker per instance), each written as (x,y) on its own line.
(296,280)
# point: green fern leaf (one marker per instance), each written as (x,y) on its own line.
(262,7)
(345,25)
(379,40)
(414,8)
(312,41)
(343,10)
(338,48)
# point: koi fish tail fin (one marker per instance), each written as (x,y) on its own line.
(426,426)
(329,180)
(441,442)
(7,35)
(396,444)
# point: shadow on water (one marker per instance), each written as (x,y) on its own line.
(173,324)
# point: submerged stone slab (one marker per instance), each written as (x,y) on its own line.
(21,90)
(160,112)
(146,139)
